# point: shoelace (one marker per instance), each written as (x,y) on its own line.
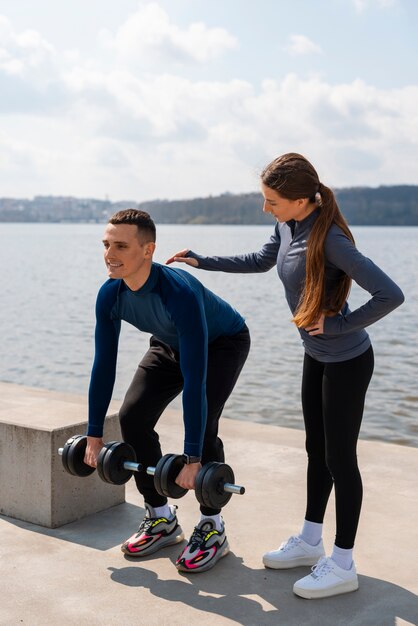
(146,524)
(198,536)
(290,543)
(322,568)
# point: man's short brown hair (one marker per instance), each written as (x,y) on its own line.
(141,219)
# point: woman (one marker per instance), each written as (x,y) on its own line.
(316,260)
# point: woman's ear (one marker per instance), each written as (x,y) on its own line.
(303,203)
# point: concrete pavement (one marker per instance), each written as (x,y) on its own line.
(77,575)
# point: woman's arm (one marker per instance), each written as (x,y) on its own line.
(386,295)
(260,261)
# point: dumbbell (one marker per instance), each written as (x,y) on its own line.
(116,463)
(214,482)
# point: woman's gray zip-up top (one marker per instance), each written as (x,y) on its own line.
(344,336)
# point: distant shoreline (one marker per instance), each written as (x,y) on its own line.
(395,205)
(92,222)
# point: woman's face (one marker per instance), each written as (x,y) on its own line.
(282,208)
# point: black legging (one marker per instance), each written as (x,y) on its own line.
(157,381)
(333,400)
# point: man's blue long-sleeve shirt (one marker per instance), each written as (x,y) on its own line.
(177,309)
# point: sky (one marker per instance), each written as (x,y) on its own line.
(140,100)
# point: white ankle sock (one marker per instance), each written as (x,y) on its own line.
(163,511)
(311,532)
(216,519)
(342,557)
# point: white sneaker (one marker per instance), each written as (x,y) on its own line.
(327,579)
(293,553)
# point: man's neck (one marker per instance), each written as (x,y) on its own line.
(136,282)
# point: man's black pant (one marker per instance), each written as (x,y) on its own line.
(157,381)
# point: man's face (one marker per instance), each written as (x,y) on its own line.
(125,255)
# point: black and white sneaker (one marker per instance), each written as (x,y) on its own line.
(206,546)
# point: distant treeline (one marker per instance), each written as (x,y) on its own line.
(385,205)
(390,206)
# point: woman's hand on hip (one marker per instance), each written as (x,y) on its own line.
(318,327)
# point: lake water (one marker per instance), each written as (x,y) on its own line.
(51,274)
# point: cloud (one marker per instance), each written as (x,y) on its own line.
(21,53)
(167,136)
(30,72)
(300,45)
(83,126)
(161,103)
(148,35)
(362,5)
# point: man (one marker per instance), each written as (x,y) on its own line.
(199,344)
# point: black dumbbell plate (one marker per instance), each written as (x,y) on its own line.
(100,459)
(111,463)
(166,472)
(210,482)
(73,456)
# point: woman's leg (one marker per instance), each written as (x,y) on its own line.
(307,548)
(344,390)
(319,479)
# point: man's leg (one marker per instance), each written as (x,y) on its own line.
(226,358)
(156,382)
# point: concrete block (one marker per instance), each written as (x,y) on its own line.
(33,484)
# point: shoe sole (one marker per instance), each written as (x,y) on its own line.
(221,553)
(302,561)
(336,590)
(170,541)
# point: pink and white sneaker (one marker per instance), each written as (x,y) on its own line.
(206,546)
(153,533)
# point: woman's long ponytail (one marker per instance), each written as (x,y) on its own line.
(312,302)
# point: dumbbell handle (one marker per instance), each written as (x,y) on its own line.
(137,467)
(231,488)
(133,467)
